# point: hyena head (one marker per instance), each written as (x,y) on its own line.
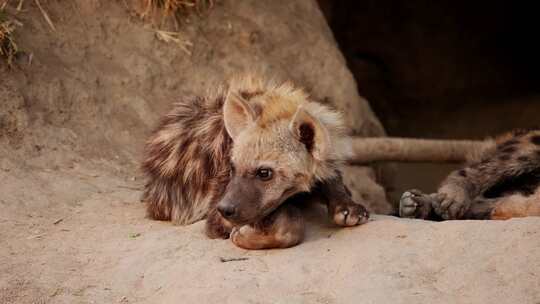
(282,145)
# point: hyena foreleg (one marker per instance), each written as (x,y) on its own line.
(283,228)
(342,209)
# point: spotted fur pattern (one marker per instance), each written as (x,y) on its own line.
(510,164)
(501,182)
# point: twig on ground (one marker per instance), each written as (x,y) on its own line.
(225,260)
(134,235)
(174,37)
(45,15)
(131,188)
(38,236)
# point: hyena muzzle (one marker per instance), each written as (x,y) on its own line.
(243,158)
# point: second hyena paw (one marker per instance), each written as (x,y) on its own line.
(415,204)
(454,205)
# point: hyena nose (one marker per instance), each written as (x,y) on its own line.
(226,210)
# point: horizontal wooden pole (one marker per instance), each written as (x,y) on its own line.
(393,149)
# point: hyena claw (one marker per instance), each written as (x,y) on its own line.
(350,214)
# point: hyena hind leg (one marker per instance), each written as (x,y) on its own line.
(281,229)
(516,205)
(505,207)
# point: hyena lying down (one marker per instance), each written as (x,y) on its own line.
(502,180)
(241,156)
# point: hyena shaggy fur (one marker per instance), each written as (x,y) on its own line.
(501,181)
(243,157)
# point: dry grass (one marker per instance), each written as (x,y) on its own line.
(174,37)
(8,46)
(178,8)
(45,15)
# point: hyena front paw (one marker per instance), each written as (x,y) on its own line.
(416,204)
(349,214)
(240,236)
(248,237)
(453,204)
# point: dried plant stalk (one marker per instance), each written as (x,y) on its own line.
(174,37)
(175,7)
(8,46)
(179,10)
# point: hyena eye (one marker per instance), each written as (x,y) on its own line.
(264,174)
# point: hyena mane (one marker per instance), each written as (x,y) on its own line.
(187,161)
(187,158)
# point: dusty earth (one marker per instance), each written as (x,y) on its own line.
(72,124)
(78,235)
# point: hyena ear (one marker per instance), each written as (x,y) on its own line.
(237,114)
(311,132)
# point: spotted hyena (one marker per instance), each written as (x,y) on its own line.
(501,182)
(243,157)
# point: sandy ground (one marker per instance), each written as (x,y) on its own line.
(77,234)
